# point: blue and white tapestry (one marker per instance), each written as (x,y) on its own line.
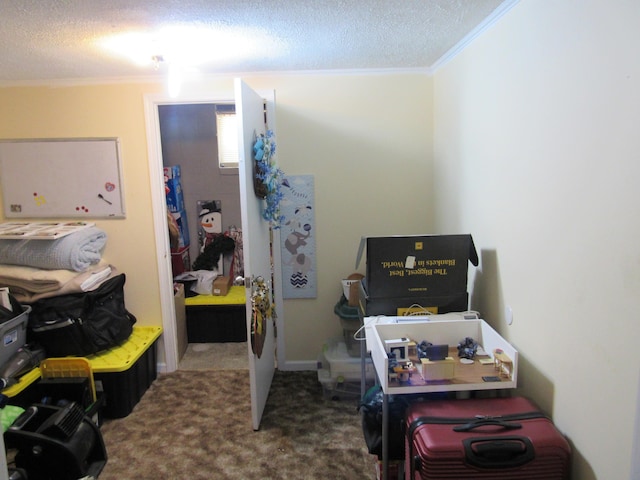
(297,237)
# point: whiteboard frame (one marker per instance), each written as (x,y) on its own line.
(118,214)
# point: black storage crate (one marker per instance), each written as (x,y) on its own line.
(216,323)
(122,375)
(125,373)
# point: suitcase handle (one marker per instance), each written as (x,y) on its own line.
(502,452)
(483,422)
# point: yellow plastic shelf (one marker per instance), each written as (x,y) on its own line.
(234,297)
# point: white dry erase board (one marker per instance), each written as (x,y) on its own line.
(78,177)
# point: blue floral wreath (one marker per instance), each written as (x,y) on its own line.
(270,176)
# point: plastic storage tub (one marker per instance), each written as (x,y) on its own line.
(217,319)
(121,374)
(124,373)
(14,334)
(341,365)
(339,373)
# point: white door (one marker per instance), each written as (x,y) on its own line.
(250,111)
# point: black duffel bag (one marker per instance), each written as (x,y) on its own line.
(81,324)
(371,413)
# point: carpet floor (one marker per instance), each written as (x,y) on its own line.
(215,356)
(196,424)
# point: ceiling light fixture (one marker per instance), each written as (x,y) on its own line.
(186,48)
(192,45)
(157,60)
(174,75)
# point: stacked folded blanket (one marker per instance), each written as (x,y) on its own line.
(29,284)
(77,251)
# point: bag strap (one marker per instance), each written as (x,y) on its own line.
(132,318)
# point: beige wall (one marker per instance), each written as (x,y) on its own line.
(102,111)
(368,142)
(366,139)
(536,153)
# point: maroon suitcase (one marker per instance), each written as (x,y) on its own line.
(483,438)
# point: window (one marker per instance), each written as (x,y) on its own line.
(227,132)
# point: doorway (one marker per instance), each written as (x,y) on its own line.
(189,141)
(168,342)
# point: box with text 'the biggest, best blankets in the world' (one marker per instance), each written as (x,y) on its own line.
(417,265)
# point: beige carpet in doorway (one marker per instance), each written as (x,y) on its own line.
(215,356)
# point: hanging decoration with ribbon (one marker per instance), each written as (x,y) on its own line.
(261,313)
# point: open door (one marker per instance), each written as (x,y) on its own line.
(256,235)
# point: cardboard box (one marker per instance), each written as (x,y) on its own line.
(171,173)
(458,302)
(437,369)
(221,285)
(417,265)
(173,184)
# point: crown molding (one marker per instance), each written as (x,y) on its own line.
(454,51)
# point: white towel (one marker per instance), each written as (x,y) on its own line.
(76,251)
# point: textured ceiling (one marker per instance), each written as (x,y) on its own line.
(61,40)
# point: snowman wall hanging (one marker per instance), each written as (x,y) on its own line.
(213,244)
(210,222)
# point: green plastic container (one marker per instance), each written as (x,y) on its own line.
(350,321)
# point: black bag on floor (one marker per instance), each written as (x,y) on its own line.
(371,413)
(82,324)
